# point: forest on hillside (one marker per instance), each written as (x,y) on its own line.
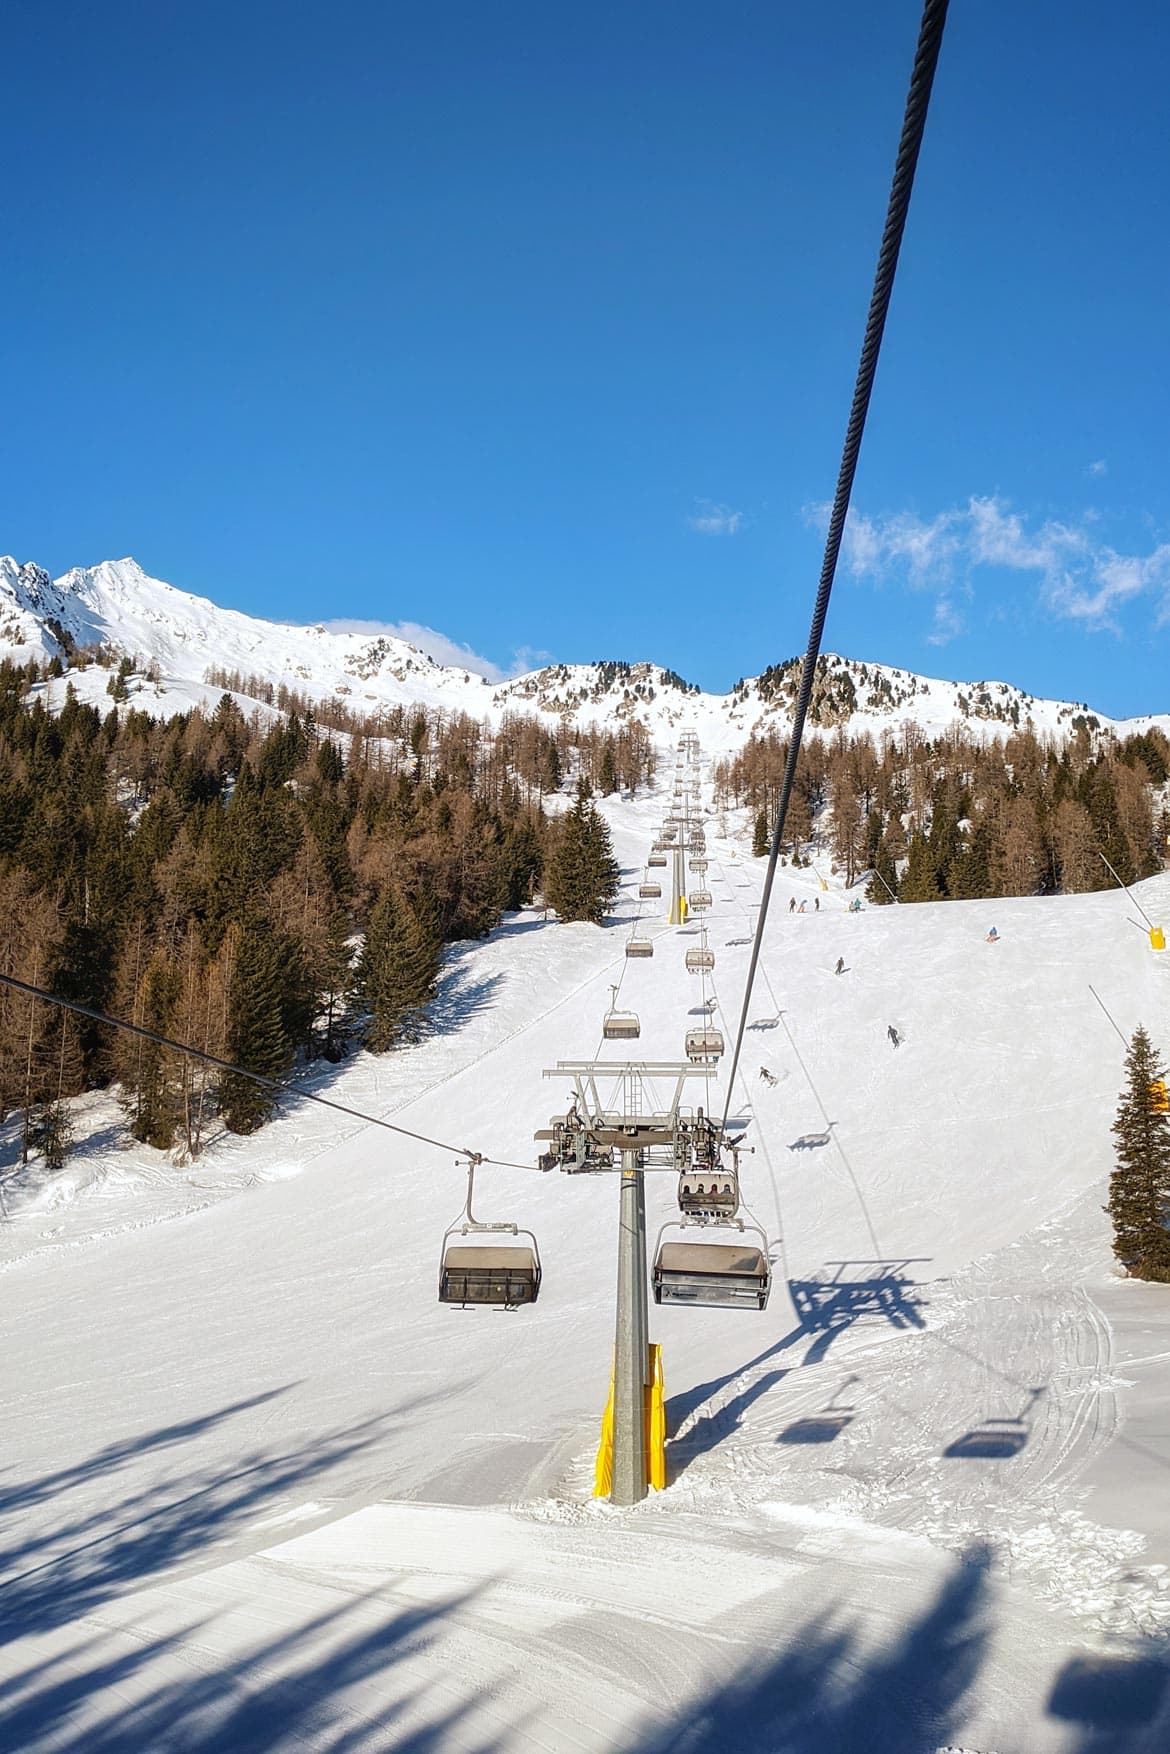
(959,817)
(258,886)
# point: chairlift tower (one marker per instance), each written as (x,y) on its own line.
(627,1134)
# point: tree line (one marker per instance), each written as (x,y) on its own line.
(955,816)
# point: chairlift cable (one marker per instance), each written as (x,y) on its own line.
(281,1086)
(913,125)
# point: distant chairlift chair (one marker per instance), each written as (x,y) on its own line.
(620,1025)
(704,1046)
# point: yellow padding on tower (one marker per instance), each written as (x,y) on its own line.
(655,1393)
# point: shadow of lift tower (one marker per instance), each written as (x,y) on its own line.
(628,1135)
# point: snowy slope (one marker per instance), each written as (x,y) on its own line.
(118,606)
(264,1492)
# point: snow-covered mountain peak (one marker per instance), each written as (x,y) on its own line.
(195,644)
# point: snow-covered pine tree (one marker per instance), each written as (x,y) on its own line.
(582,876)
(1139,1188)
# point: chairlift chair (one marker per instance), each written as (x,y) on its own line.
(704,1046)
(487,1273)
(700,899)
(620,1025)
(649,891)
(656,861)
(698,867)
(699,960)
(636,946)
(718,1275)
(708,1194)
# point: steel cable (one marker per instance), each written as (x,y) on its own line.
(280,1086)
(914,122)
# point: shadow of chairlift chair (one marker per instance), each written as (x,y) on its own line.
(714,1275)
(490,1273)
(620,1025)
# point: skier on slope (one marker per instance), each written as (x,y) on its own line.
(894,1036)
(840,968)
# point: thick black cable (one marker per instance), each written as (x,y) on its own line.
(917,102)
(280,1086)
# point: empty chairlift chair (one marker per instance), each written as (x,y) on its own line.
(637,946)
(620,1025)
(487,1272)
(656,861)
(704,1046)
(649,891)
(720,1275)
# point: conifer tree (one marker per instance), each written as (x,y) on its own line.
(920,881)
(760,838)
(882,889)
(582,876)
(256,1029)
(397,969)
(1139,1188)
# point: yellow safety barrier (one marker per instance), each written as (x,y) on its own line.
(1157,938)
(655,1393)
(656,1423)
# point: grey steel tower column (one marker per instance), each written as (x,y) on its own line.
(631,1341)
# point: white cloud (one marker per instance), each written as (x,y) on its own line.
(948,623)
(715,520)
(1100,467)
(1079,577)
(436,645)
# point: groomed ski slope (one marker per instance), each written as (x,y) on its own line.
(261,1492)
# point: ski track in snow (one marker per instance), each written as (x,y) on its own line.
(836,1464)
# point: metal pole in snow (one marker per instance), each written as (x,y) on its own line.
(631,1341)
(1121,885)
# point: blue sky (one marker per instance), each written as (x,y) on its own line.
(536,325)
